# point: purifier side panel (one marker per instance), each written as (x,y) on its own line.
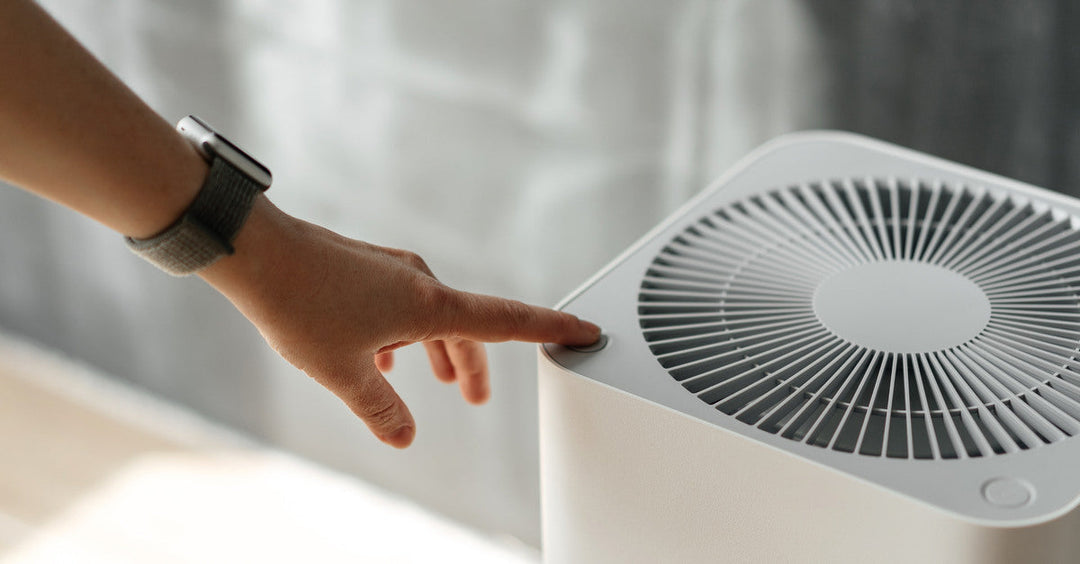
(624,480)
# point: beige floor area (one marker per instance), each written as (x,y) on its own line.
(93,471)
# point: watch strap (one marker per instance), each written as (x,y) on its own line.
(207,229)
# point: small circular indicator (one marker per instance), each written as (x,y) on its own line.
(1008,493)
(593,347)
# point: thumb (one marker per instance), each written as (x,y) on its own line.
(374,400)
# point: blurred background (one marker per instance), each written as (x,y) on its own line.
(517,145)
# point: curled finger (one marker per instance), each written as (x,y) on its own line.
(470,368)
(440,361)
(384,361)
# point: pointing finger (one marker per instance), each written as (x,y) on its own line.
(491,319)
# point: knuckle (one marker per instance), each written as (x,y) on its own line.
(434,297)
(519,315)
(415,260)
(379,411)
(434,305)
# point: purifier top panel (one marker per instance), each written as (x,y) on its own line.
(897,317)
(911,318)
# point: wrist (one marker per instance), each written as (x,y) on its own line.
(180,175)
(205,231)
(259,246)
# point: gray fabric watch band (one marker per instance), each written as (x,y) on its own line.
(206,230)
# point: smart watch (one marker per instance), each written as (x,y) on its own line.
(206,230)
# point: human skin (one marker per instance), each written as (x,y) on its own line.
(334,307)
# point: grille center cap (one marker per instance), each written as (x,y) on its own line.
(902,306)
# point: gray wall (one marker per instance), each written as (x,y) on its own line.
(517,145)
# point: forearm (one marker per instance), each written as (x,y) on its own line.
(334,307)
(71,132)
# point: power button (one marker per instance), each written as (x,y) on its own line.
(1008,493)
(593,347)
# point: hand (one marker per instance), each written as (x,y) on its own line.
(336,308)
(333,307)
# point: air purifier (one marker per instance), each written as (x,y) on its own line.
(841,351)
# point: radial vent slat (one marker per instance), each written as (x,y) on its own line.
(729,309)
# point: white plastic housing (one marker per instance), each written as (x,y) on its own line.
(625,480)
(981,463)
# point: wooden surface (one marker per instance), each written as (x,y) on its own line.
(92,471)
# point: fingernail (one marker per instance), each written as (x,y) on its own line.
(400,438)
(590,327)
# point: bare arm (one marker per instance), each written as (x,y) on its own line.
(73,133)
(334,307)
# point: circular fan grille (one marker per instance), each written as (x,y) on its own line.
(728,308)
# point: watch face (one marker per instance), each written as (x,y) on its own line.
(210,144)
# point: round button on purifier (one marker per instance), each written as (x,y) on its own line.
(593,347)
(1008,493)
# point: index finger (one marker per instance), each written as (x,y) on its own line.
(490,319)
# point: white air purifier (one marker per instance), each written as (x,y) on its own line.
(842,351)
